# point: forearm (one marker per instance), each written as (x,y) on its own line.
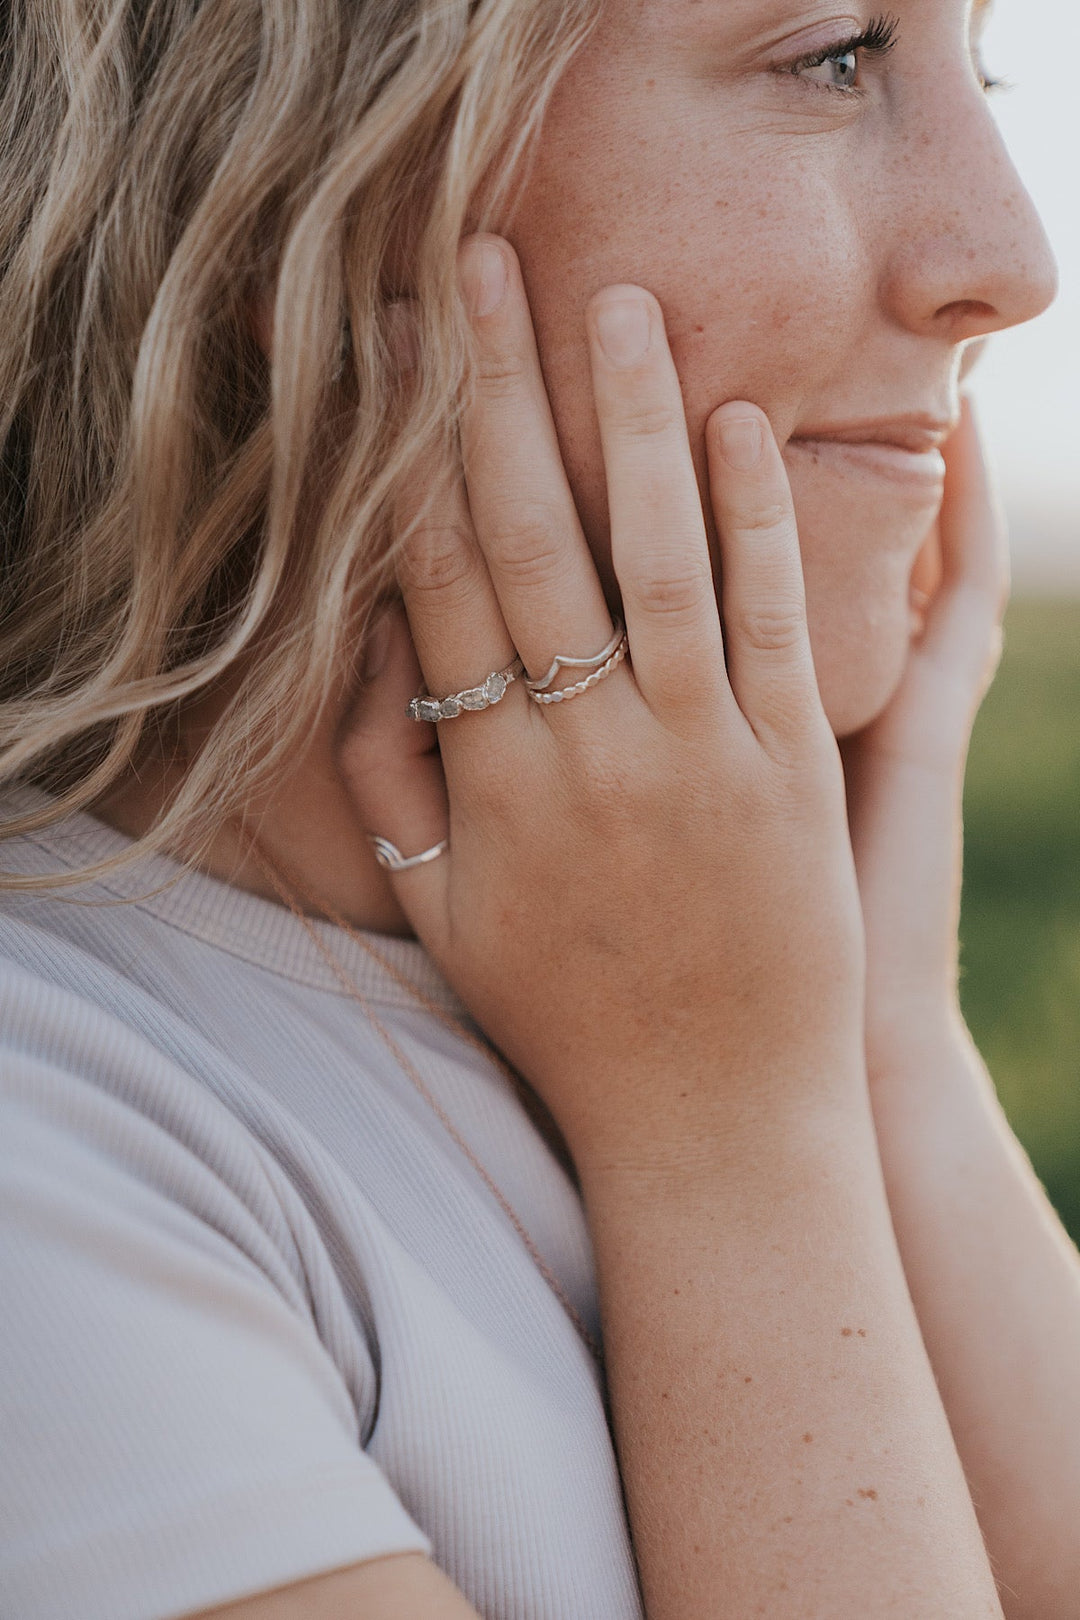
(996,1286)
(782,1443)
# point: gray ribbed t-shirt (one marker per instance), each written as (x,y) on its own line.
(259,1315)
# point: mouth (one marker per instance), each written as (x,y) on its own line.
(905,451)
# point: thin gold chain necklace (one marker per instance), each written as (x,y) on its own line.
(291,891)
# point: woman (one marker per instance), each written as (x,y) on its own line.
(302,1315)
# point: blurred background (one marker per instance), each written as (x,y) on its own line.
(1021,919)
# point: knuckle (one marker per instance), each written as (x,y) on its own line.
(771,627)
(437,558)
(768,517)
(526,540)
(675,595)
(501,376)
(648,420)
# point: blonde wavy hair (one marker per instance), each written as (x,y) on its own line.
(171,501)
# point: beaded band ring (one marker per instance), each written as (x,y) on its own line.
(601,666)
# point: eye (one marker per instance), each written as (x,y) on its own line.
(837,66)
(837,71)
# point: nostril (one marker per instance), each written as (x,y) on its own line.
(968,309)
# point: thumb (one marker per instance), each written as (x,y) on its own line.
(392,771)
(963,624)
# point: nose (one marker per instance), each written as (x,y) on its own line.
(969,254)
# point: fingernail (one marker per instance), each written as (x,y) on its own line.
(741,441)
(376,647)
(623,330)
(482,272)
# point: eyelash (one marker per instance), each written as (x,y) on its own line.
(877,39)
(989,84)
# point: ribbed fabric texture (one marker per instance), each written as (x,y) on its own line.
(259,1315)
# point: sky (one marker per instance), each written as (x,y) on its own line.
(1028,385)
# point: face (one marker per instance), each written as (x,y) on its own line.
(828,230)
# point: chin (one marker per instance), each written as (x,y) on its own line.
(859,550)
(859,657)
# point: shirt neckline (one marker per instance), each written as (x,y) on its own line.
(260,932)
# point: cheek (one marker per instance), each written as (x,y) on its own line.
(750,251)
(767,291)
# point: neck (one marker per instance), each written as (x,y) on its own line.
(307,822)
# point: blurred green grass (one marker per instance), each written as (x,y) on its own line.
(1020,929)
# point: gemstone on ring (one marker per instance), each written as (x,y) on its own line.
(432,709)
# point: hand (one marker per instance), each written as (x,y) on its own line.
(649,902)
(905,772)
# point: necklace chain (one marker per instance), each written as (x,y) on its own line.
(288,888)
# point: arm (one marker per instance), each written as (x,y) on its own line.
(649,903)
(994,1278)
(996,1284)
(782,1442)
(402,1588)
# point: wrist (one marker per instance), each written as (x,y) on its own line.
(931,1071)
(686,1150)
(908,1031)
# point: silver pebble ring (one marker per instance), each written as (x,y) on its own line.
(474,698)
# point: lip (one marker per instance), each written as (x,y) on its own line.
(905,450)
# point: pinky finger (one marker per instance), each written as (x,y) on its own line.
(393,773)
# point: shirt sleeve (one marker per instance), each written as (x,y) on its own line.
(174,1434)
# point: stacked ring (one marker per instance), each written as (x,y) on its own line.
(601,666)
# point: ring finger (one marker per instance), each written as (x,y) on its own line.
(458,630)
